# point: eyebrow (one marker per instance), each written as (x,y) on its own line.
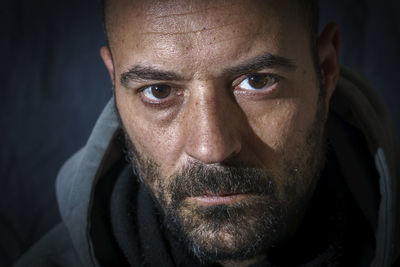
(139,73)
(264,61)
(267,60)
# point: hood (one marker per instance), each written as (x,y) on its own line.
(354,103)
(79,176)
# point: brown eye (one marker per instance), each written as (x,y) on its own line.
(157,92)
(257,82)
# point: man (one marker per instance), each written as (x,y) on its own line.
(246,146)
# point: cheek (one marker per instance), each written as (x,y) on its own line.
(282,126)
(151,138)
(284,149)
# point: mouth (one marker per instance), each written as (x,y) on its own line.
(209,200)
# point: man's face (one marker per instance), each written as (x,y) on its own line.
(220,104)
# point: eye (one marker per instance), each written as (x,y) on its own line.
(258,82)
(157,92)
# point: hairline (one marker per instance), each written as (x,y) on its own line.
(310,8)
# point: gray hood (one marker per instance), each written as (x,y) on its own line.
(78,177)
(353,102)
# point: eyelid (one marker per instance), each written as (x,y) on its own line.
(178,90)
(248,74)
(242,77)
(163,102)
(142,88)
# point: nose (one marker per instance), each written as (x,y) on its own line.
(213,127)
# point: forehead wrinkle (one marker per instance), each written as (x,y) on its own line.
(158,22)
(192,19)
(204,29)
(237,37)
(154,15)
(166,46)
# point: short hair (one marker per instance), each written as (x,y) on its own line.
(310,10)
(311,13)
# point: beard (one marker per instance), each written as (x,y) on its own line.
(243,229)
(235,231)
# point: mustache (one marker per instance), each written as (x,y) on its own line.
(199,179)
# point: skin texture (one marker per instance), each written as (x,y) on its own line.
(209,118)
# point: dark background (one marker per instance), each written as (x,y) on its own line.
(54,85)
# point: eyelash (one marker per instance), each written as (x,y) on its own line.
(164,103)
(161,104)
(275,77)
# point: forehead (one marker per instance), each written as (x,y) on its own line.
(168,32)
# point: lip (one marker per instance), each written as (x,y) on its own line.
(218,199)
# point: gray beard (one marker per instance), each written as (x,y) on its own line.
(237,231)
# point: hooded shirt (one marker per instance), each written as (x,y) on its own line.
(109,219)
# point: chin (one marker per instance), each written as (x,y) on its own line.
(237,232)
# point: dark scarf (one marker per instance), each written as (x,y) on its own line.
(330,235)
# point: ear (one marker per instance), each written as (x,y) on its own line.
(328,52)
(105,54)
